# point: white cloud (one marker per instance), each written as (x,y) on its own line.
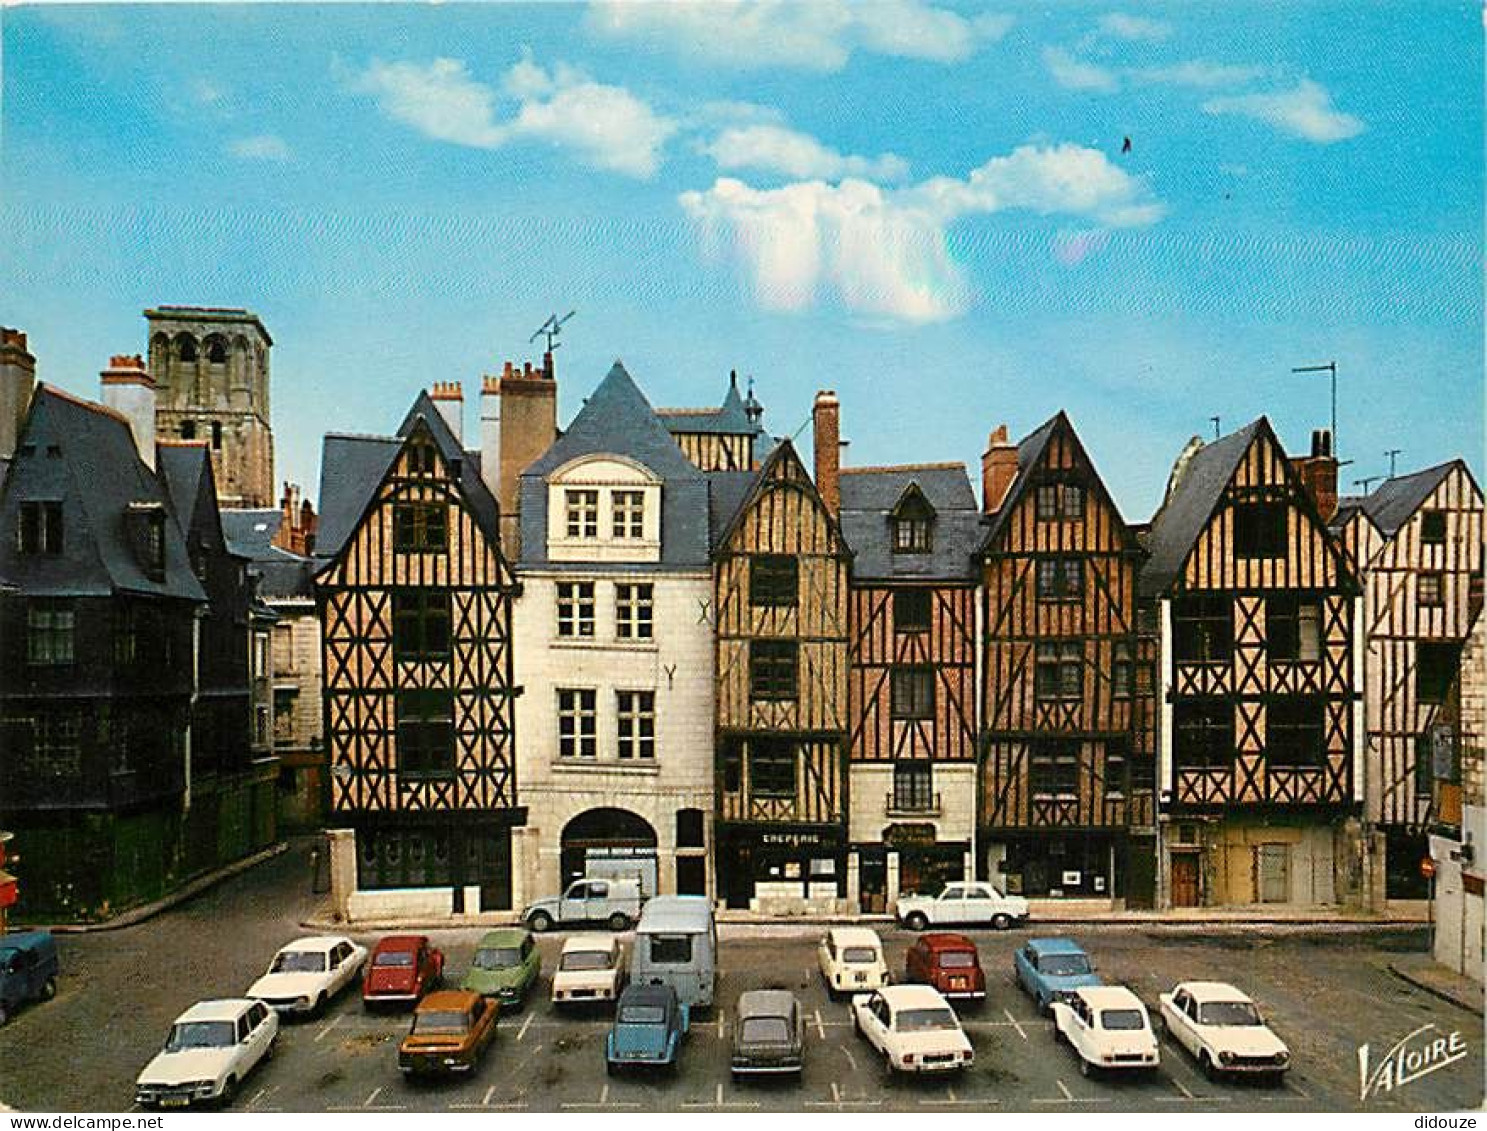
(820,35)
(886,252)
(1200,73)
(605,126)
(260,147)
(1123,26)
(778,149)
(1077,74)
(1073,248)
(1306,112)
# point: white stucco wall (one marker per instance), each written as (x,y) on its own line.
(870,785)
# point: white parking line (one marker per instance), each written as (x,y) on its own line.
(604,1094)
(1297,1089)
(1181,1087)
(852,1060)
(377,1091)
(1068,1095)
(952,1100)
(489,1092)
(720,1023)
(325,1029)
(525,1025)
(820,1026)
(1021,1032)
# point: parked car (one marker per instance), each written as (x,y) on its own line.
(1223,1030)
(768,1035)
(506,965)
(28,970)
(210,1051)
(401,970)
(307,973)
(676,943)
(614,902)
(947,962)
(649,1024)
(1049,969)
(1109,1029)
(590,969)
(967,903)
(450,1032)
(851,960)
(913,1028)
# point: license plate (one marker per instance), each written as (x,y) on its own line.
(862,977)
(175,1101)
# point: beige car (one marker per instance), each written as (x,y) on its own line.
(851,961)
(591,969)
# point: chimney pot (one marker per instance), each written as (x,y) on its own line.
(129,390)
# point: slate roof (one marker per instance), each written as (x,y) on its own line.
(281,574)
(618,420)
(1187,509)
(870,494)
(97,476)
(1394,501)
(726,493)
(730,418)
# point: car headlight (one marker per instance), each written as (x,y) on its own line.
(1282,1057)
(1226,1057)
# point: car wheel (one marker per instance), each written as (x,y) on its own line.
(1044,1007)
(611,1068)
(1086,1069)
(318,1009)
(540,921)
(49,989)
(856,1023)
(1001,922)
(619,921)
(268,1053)
(917,921)
(1205,1062)
(229,1091)
(1058,1035)
(888,1063)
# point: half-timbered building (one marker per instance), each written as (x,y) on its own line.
(911,685)
(779,613)
(1418,541)
(719,439)
(1067,801)
(1260,737)
(415,606)
(614,651)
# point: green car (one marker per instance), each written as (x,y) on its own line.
(506,965)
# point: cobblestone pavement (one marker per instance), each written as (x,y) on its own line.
(1327,993)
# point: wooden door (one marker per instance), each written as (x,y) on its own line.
(1184,879)
(1272,873)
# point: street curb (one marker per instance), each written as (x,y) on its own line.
(136,915)
(1435,991)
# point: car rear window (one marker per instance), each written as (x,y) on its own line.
(925,1020)
(497,957)
(642,1015)
(766,1031)
(1120,1020)
(393,958)
(957,960)
(672,949)
(439,1021)
(859,954)
(585,960)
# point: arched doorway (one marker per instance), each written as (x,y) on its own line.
(609,842)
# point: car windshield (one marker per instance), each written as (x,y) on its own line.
(201,1035)
(298,962)
(1119,1020)
(439,1021)
(585,960)
(1064,965)
(766,1031)
(1229,1013)
(925,1020)
(957,960)
(642,1015)
(860,955)
(394,958)
(497,957)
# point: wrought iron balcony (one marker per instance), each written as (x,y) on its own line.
(904,804)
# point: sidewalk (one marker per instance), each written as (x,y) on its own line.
(1424,973)
(187,891)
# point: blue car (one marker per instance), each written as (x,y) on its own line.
(648,1026)
(28,970)
(1051,969)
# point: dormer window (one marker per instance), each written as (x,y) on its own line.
(583,513)
(146,526)
(628,509)
(40,528)
(913,523)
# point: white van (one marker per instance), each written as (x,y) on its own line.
(676,945)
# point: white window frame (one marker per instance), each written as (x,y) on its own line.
(576,605)
(634,610)
(631,715)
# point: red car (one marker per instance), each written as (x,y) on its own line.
(947,962)
(401,970)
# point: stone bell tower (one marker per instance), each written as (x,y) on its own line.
(211,371)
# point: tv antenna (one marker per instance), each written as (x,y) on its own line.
(1325,367)
(1365,481)
(551,329)
(1393,454)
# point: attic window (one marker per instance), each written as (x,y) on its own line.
(1060,501)
(421,459)
(1433,528)
(40,528)
(146,525)
(913,524)
(1260,530)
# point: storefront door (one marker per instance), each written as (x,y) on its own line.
(1184,879)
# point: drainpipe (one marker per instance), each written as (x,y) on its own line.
(196,619)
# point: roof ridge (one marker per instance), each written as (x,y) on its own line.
(90,406)
(942,465)
(363,436)
(688,411)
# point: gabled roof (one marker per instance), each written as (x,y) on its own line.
(731,418)
(98,477)
(1394,502)
(251,531)
(738,502)
(870,497)
(1186,511)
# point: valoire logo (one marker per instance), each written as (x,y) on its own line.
(1414,1055)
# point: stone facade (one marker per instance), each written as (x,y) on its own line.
(298,737)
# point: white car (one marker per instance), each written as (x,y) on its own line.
(1108,1027)
(307,973)
(851,960)
(591,968)
(1222,1028)
(211,1048)
(961,903)
(913,1028)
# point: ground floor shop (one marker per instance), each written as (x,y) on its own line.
(784,869)
(1098,864)
(1282,859)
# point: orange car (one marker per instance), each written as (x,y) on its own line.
(451,1031)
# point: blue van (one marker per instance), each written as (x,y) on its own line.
(28,970)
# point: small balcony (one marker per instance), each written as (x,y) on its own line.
(902,803)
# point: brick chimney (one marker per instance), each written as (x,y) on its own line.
(826,440)
(998,469)
(297,522)
(449,399)
(17,380)
(522,408)
(129,390)
(1318,473)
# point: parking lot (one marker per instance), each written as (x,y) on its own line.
(1325,992)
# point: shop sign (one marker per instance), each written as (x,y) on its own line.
(906,836)
(801,839)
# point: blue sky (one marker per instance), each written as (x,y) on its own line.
(923,205)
